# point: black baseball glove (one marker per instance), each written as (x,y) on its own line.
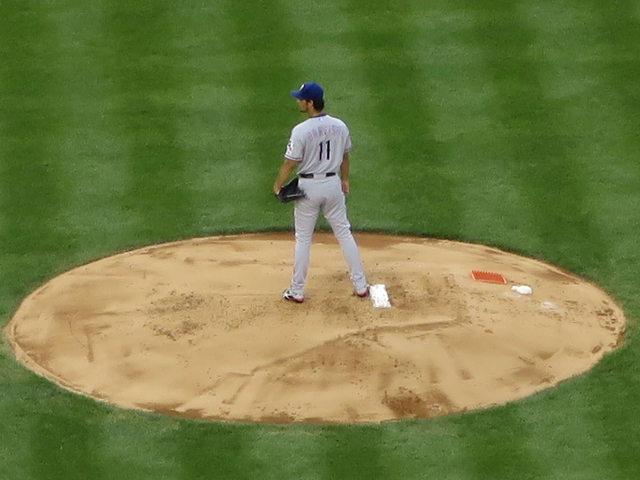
(290,192)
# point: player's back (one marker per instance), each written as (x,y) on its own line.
(321,142)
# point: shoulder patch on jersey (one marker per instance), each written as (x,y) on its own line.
(290,147)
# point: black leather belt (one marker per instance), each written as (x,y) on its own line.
(319,175)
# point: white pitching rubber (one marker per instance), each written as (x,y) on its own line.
(379,296)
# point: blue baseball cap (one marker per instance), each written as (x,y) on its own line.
(308,91)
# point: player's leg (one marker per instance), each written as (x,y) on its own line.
(305,218)
(335,211)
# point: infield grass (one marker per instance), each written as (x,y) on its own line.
(510,123)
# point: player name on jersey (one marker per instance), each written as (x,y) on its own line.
(324,130)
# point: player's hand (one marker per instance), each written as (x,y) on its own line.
(345,186)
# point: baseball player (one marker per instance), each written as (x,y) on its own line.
(319,149)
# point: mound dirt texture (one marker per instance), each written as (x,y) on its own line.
(199,329)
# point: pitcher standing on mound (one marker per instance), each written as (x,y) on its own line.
(319,149)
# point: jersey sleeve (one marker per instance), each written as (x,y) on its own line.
(295,147)
(347,143)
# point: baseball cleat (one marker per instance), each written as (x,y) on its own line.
(288,295)
(364,293)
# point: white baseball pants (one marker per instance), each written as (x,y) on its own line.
(326,195)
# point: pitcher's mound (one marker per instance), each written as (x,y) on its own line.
(199,329)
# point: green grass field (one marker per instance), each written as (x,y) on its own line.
(511,123)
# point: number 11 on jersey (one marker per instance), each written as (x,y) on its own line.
(328,143)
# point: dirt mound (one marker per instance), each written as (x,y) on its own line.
(198,329)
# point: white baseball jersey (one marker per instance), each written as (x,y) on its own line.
(318,144)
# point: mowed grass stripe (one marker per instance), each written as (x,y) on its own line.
(614,398)
(144,69)
(558,437)
(324,53)
(47,432)
(543,152)
(583,74)
(243,84)
(250,113)
(357,451)
(65,443)
(204,450)
(615,125)
(93,162)
(570,188)
(262,39)
(497,444)
(137,445)
(420,448)
(383,36)
(20,393)
(545,170)
(589,75)
(32,188)
(289,451)
(462,98)
(216,139)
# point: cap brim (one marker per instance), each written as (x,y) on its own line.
(297,94)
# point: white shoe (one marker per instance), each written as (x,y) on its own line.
(288,295)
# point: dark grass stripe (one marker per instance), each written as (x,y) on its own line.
(145,70)
(263,38)
(617,30)
(321,52)
(542,152)
(134,446)
(462,99)
(16,393)
(48,432)
(585,61)
(612,412)
(497,445)
(491,445)
(324,53)
(421,449)
(65,444)
(91,152)
(288,451)
(602,49)
(559,436)
(223,451)
(31,187)
(356,452)
(615,400)
(543,148)
(616,33)
(237,114)
(411,166)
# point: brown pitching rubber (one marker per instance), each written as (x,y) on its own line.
(491,277)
